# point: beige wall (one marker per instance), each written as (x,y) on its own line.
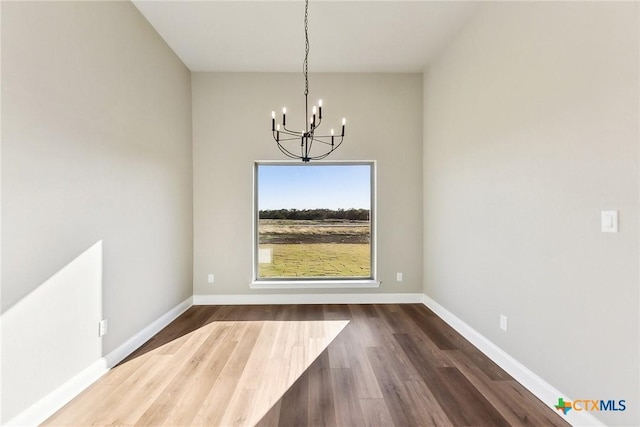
(531,128)
(96,187)
(231,130)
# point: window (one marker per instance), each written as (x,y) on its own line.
(314,221)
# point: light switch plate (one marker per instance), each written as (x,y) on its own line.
(503,322)
(609,221)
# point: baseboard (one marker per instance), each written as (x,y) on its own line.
(51,403)
(532,382)
(117,355)
(260,299)
(48,405)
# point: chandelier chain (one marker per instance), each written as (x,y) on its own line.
(306,47)
(307,140)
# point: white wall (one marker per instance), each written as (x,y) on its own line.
(232,129)
(96,187)
(531,128)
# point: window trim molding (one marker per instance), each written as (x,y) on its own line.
(295,283)
(317,282)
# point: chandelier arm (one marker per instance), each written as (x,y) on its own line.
(287,152)
(293,134)
(337,139)
(317,125)
(276,134)
(336,145)
(288,139)
(291,131)
(278,141)
(321,141)
(309,145)
(327,136)
(321,156)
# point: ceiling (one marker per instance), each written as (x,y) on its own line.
(268,36)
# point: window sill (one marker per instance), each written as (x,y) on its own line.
(314,284)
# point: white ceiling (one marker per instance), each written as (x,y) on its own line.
(268,36)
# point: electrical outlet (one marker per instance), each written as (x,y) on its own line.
(398,277)
(103,327)
(503,322)
(210,278)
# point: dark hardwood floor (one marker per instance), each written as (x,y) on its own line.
(401,365)
(391,365)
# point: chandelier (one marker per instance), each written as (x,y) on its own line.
(312,146)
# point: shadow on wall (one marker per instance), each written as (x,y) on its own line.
(52,334)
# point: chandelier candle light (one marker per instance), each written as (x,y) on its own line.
(306,138)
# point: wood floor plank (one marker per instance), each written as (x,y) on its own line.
(391,386)
(128,411)
(458,342)
(503,396)
(346,401)
(531,411)
(367,386)
(236,413)
(385,331)
(272,418)
(366,335)
(467,396)
(216,403)
(168,340)
(87,401)
(428,327)
(191,399)
(375,413)
(280,354)
(338,355)
(294,407)
(110,402)
(183,380)
(453,391)
(322,410)
(391,365)
(154,416)
(404,324)
(424,405)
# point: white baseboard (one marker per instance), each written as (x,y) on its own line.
(48,405)
(532,382)
(117,355)
(260,299)
(51,403)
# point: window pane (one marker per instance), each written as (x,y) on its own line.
(314,221)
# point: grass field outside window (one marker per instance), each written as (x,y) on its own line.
(327,237)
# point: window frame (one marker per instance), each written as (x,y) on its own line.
(316,282)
